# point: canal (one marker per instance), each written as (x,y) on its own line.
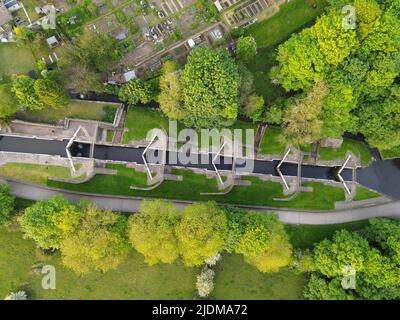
(382,176)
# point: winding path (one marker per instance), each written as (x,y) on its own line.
(131,204)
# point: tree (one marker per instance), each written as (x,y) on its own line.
(274,115)
(300,62)
(319,289)
(200,232)
(50,93)
(369,256)
(47,221)
(335,42)
(379,122)
(345,249)
(135,91)
(170,97)
(210,83)
(386,234)
(24,89)
(152,233)
(246,48)
(97,244)
(6,203)
(84,65)
(264,243)
(254,107)
(302,124)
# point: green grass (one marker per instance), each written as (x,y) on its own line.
(85,11)
(364,193)
(392,153)
(15,59)
(259,193)
(357,147)
(132,280)
(140,120)
(235,279)
(34,173)
(75,109)
(270,143)
(291,17)
(305,236)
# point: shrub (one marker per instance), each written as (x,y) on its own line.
(205,282)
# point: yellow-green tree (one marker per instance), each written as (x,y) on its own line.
(170,97)
(152,231)
(97,244)
(302,124)
(264,242)
(200,232)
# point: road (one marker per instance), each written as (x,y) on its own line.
(132,204)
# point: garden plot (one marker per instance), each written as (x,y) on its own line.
(170,7)
(247,11)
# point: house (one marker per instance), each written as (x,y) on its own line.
(5,16)
(127,76)
(52,42)
(12,5)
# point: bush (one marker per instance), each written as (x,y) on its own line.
(20,295)
(205,282)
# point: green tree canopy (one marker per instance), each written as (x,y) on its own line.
(135,91)
(246,48)
(24,89)
(210,83)
(85,63)
(302,124)
(50,93)
(152,231)
(98,243)
(170,97)
(47,221)
(200,232)
(264,242)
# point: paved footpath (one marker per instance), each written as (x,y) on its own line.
(132,204)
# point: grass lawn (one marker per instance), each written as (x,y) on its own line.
(132,280)
(364,193)
(291,17)
(390,153)
(15,59)
(75,109)
(357,147)
(140,120)
(235,279)
(7,101)
(34,173)
(259,193)
(270,143)
(305,236)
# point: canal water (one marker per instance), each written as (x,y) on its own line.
(382,176)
